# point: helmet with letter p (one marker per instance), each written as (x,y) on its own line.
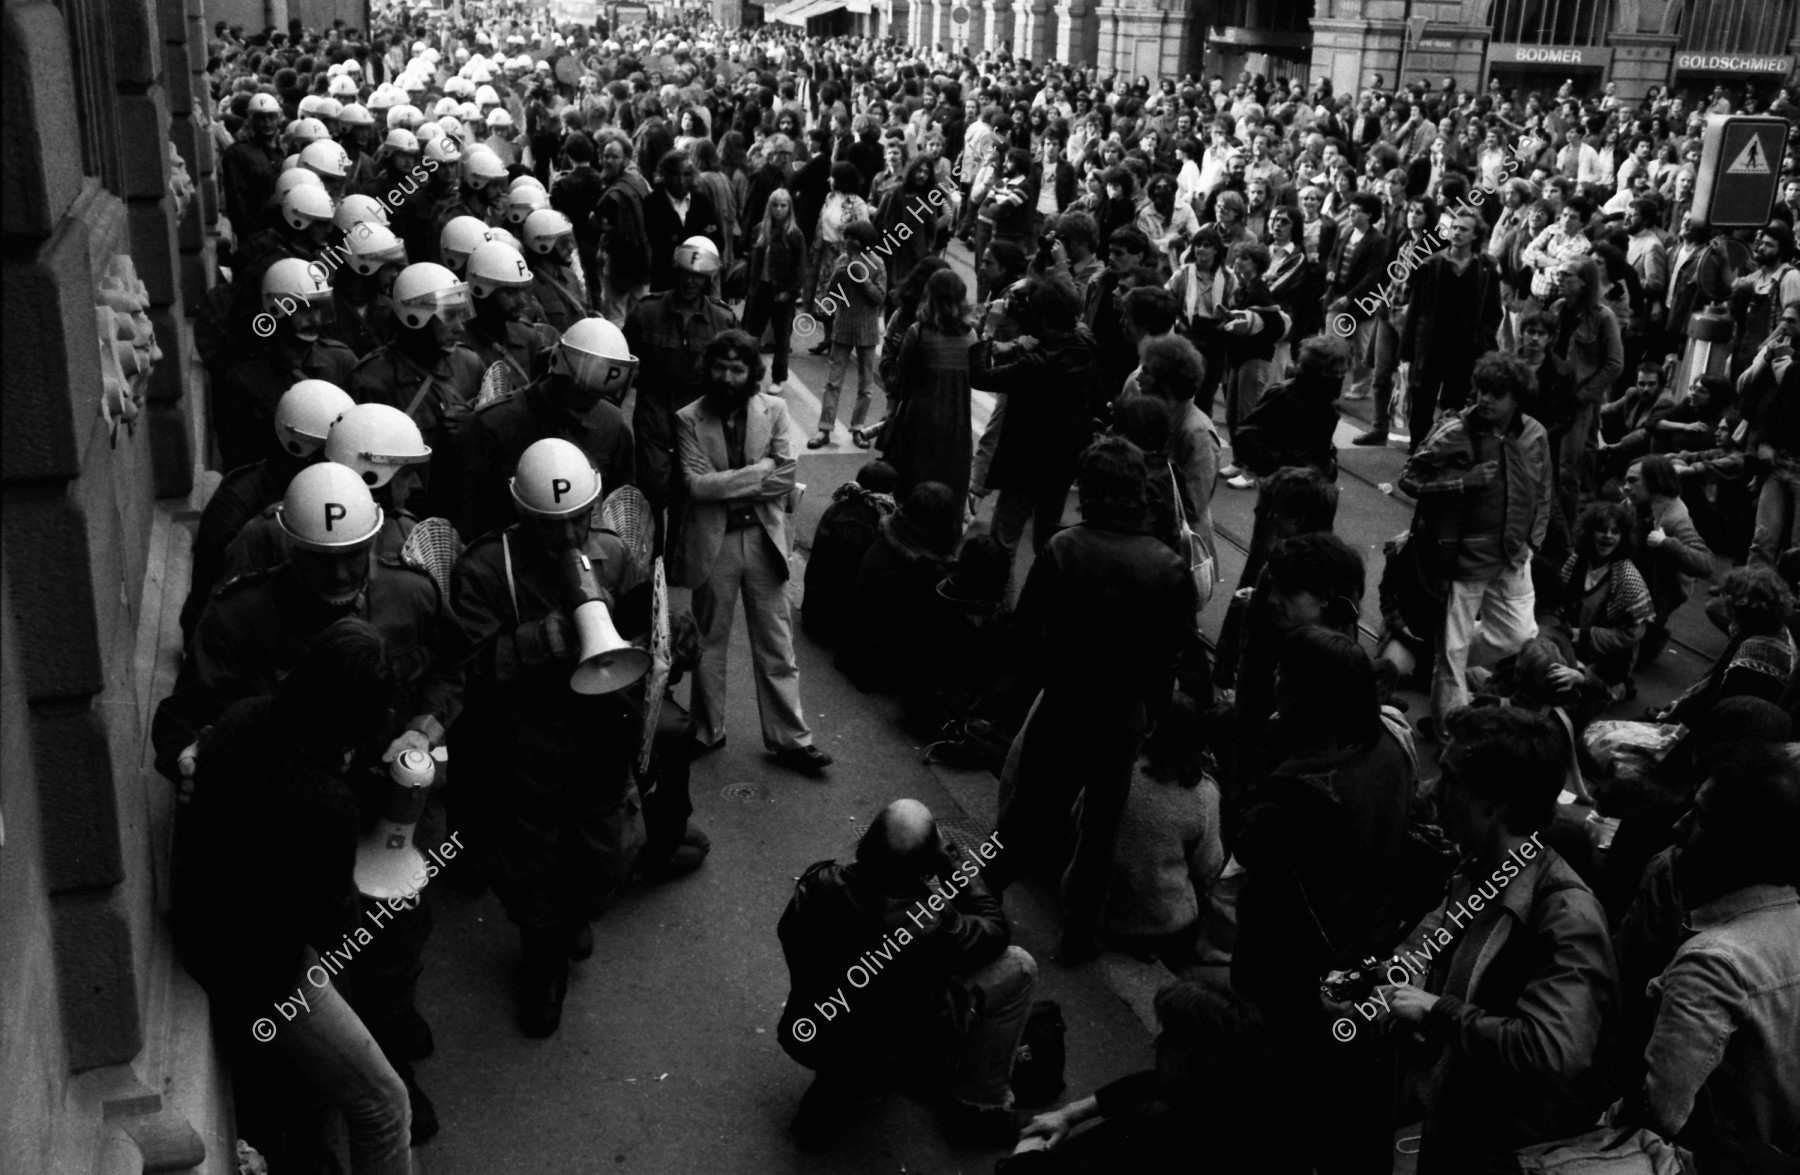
(426,294)
(554,480)
(498,277)
(462,235)
(594,356)
(330,520)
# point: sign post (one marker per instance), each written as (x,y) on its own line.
(1740,165)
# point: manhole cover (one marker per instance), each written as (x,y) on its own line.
(745,793)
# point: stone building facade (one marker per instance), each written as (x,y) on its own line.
(1534,44)
(106,1060)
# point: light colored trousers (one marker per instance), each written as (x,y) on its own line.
(748,565)
(338,1060)
(1484,620)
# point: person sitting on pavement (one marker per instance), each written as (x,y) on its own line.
(1598,608)
(1760,658)
(1211,1066)
(896,592)
(1168,851)
(1506,1022)
(1671,555)
(844,535)
(1721,1075)
(917,910)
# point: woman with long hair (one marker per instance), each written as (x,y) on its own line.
(842,208)
(1203,286)
(1119,207)
(778,269)
(1588,337)
(927,436)
(1602,605)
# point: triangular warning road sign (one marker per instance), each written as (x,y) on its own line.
(1752,160)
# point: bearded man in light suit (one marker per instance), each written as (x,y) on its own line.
(737,458)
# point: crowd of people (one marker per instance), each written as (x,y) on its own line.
(540,287)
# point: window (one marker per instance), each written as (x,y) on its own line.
(1551,22)
(1735,26)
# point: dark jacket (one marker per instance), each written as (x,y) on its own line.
(1356,272)
(787,259)
(835,918)
(1430,283)
(844,535)
(243,494)
(666,230)
(1047,423)
(1526,985)
(811,184)
(620,236)
(263,807)
(1291,425)
(756,197)
(487,449)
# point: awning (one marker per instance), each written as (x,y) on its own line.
(798,12)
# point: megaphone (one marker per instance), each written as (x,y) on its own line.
(387,864)
(608,661)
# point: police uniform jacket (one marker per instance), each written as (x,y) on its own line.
(487,450)
(360,328)
(243,493)
(524,722)
(560,292)
(251,169)
(253,388)
(668,342)
(258,625)
(519,346)
(438,399)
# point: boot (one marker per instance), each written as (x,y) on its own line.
(543,980)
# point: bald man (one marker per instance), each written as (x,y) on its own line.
(901,962)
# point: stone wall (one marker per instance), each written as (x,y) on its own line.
(96,91)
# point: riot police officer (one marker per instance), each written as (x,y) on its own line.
(505,328)
(555,764)
(296,310)
(577,400)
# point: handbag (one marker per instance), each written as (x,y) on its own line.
(1202,568)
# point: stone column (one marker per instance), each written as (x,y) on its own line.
(999,23)
(1641,60)
(1077,31)
(974,38)
(1032,35)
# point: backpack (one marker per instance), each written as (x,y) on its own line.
(1037,1075)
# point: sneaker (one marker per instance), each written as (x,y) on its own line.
(1230,471)
(1375,436)
(1242,481)
(1355,394)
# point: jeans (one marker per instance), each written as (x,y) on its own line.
(748,564)
(1002,991)
(617,301)
(984,448)
(1572,461)
(1777,514)
(1247,382)
(337,1059)
(834,384)
(1484,621)
(1384,352)
(764,311)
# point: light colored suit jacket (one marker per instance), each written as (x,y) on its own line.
(712,483)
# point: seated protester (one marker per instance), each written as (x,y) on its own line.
(1715,485)
(1168,852)
(1211,1066)
(896,588)
(272,799)
(845,532)
(1670,552)
(1722,1076)
(980,689)
(1631,419)
(955,989)
(1599,607)
(1760,658)
(1505,1030)
(1692,423)
(1320,836)
(1297,500)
